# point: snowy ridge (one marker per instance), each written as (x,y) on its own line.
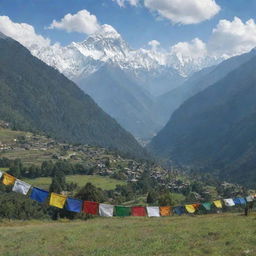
(84,58)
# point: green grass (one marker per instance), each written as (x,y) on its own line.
(7,136)
(4,169)
(105,183)
(211,235)
(29,157)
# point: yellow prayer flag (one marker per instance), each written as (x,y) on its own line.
(57,200)
(218,203)
(8,179)
(165,210)
(190,208)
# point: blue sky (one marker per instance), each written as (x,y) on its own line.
(138,25)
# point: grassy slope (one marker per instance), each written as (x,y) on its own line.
(7,136)
(105,183)
(215,235)
(35,156)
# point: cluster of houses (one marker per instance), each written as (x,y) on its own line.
(104,162)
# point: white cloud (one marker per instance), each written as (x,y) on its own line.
(82,22)
(189,51)
(228,39)
(184,11)
(154,44)
(231,38)
(22,32)
(122,3)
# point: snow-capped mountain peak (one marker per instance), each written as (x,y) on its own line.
(104,45)
(107,31)
(80,59)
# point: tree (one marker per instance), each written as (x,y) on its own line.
(58,182)
(152,197)
(15,206)
(166,199)
(91,193)
(47,168)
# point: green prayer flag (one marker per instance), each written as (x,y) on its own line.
(122,211)
(207,206)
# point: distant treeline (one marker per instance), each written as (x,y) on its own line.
(47,168)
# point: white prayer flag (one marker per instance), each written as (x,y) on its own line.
(229,202)
(249,198)
(106,210)
(1,174)
(153,211)
(21,187)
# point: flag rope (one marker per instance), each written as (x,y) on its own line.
(108,210)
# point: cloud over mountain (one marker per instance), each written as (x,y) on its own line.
(22,32)
(231,38)
(184,12)
(228,38)
(81,22)
(190,50)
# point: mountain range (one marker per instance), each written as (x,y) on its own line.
(35,96)
(167,103)
(120,79)
(215,129)
(210,114)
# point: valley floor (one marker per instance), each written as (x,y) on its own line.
(214,235)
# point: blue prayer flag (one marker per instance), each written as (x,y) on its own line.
(39,195)
(236,201)
(239,201)
(179,210)
(242,200)
(74,205)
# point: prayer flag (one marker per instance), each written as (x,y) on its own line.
(218,203)
(74,205)
(242,200)
(239,201)
(122,211)
(165,210)
(229,202)
(153,211)
(190,208)
(91,207)
(106,210)
(138,211)
(39,195)
(57,200)
(179,210)
(196,206)
(249,198)
(21,187)
(207,206)
(8,179)
(1,174)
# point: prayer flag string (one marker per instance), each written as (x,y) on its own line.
(107,210)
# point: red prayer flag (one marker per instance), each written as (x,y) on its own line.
(91,207)
(139,211)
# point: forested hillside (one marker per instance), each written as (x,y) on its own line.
(37,97)
(216,128)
